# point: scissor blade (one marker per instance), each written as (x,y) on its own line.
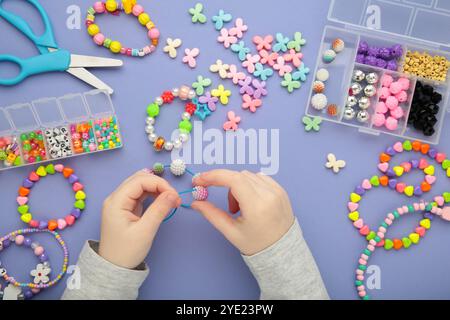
(78,61)
(89,78)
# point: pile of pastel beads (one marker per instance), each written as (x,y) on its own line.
(178,169)
(423,65)
(381,57)
(428,208)
(192,106)
(58,142)
(32,179)
(82,135)
(40,274)
(129,7)
(107,134)
(33,146)
(10,152)
(393,93)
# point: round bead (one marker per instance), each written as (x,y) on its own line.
(322,75)
(355,88)
(358,75)
(349,113)
(370,90)
(159,101)
(99,39)
(152,137)
(158,168)
(364,103)
(143,18)
(338,45)
(111,5)
(168,146)
(319,101)
(184,137)
(318,86)
(153,110)
(191,94)
(372,78)
(200,193)
(177,144)
(178,167)
(150,120)
(137,10)
(351,101)
(93,29)
(149,129)
(186,116)
(153,33)
(99,7)
(185,126)
(115,47)
(329,56)
(175,92)
(363,116)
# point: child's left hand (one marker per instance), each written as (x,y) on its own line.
(127,233)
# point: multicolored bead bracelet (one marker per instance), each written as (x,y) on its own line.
(427,208)
(178,168)
(184,93)
(129,7)
(32,179)
(40,274)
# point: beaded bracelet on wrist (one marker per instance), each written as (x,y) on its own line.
(114,8)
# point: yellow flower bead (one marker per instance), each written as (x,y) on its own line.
(111,5)
(115,47)
(93,29)
(144,18)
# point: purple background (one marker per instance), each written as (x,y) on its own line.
(189,259)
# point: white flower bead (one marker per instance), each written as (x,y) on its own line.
(159,101)
(149,129)
(152,137)
(186,116)
(178,167)
(184,137)
(168,146)
(150,120)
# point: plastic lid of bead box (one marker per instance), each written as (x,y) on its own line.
(411,18)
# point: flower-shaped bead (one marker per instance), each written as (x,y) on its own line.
(249,103)
(281,44)
(220,68)
(240,49)
(261,72)
(40,274)
(220,19)
(260,88)
(209,100)
(250,62)
(268,58)
(294,57)
(239,28)
(167,97)
(201,84)
(226,39)
(289,83)
(263,43)
(282,67)
(235,75)
(246,86)
(222,94)
(232,123)
(301,73)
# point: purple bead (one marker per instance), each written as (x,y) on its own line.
(397,51)
(392,65)
(27,242)
(27,183)
(414,163)
(43,257)
(76,213)
(432,153)
(360,190)
(392,183)
(373,51)
(428,215)
(384,53)
(73,178)
(360,58)
(42,225)
(371,61)
(381,63)
(28,294)
(390,151)
(6,243)
(363,47)
(418,191)
(390,173)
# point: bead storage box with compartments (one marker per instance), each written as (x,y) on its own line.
(56,128)
(383,69)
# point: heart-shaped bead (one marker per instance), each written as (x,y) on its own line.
(62,224)
(398,147)
(364,231)
(398,171)
(67,172)
(355,197)
(400,187)
(414,163)
(429,170)
(418,191)
(23,192)
(352,206)
(390,151)
(380,243)
(406,242)
(448,172)
(73,178)
(375,181)
(22,200)
(425,223)
(23,209)
(34,224)
(414,237)
(425,186)
(385,157)
(407,146)
(353,215)
(70,220)
(384,181)
(423,163)
(406,166)
(80,204)
(446,196)
(59,168)
(440,157)
(359,190)
(383,167)
(432,153)
(371,235)
(446,164)
(52,225)
(77,187)
(392,183)
(430,179)
(26,217)
(424,148)
(439,200)
(366,184)
(388,244)
(80,195)
(41,171)
(50,169)
(446,214)
(420,231)
(409,191)
(398,244)
(76,213)
(358,223)
(33,177)
(416,145)
(27,183)
(43,225)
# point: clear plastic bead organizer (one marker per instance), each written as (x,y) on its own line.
(68,126)
(417,25)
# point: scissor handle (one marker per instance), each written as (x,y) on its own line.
(49,62)
(44,41)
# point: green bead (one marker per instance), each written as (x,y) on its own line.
(107,43)
(388,244)
(38,158)
(185,126)
(384,224)
(23,137)
(23,209)
(50,169)
(411,208)
(396,214)
(366,297)
(428,207)
(3,155)
(371,235)
(33,135)
(406,242)
(40,137)
(153,110)
(367,252)
(407,146)
(362,267)
(80,204)
(446,196)
(17,161)
(27,147)
(358,283)
(375,181)
(377,239)
(446,164)
(158,168)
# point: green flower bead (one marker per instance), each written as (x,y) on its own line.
(153,110)
(185,125)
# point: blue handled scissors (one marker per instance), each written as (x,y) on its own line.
(51,58)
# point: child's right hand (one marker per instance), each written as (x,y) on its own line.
(266,213)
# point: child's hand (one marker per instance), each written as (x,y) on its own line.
(266,213)
(127,234)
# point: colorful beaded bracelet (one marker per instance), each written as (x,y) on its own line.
(184,93)
(41,280)
(178,168)
(40,274)
(34,177)
(129,7)
(428,208)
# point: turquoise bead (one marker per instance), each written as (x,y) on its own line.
(367,252)
(362,267)
(377,239)
(358,283)
(396,214)
(384,224)
(411,208)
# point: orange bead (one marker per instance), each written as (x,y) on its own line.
(425,186)
(425,148)
(52,225)
(416,146)
(398,244)
(67,172)
(384,157)
(384,181)
(159,144)
(23,192)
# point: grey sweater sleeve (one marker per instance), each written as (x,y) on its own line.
(287,270)
(102,280)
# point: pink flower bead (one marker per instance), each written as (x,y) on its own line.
(386,80)
(395,87)
(38,251)
(137,9)
(397,113)
(381,235)
(20,239)
(153,33)
(99,39)
(378,119)
(381,107)
(404,82)
(391,124)
(391,102)
(384,93)
(402,96)
(99,7)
